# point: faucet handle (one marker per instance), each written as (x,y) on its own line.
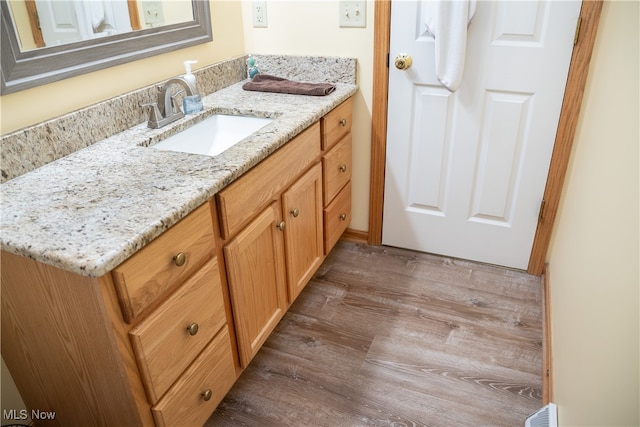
(176,106)
(154,113)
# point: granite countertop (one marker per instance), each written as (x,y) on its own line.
(91,210)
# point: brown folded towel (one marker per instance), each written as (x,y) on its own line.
(267,83)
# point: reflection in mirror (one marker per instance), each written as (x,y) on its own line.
(45,23)
(164,26)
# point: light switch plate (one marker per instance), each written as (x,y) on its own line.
(259,13)
(153,13)
(353,14)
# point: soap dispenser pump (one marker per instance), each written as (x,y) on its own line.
(191,103)
(187,73)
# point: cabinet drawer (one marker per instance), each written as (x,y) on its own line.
(212,372)
(163,343)
(337,217)
(244,198)
(336,124)
(337,168)
(154,270)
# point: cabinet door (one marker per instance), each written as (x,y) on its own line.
(257,281)
(302,212)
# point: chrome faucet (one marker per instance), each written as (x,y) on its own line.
(167,109)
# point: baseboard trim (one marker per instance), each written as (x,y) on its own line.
(547,359)
(355,236)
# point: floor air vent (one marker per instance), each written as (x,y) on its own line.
(545,417)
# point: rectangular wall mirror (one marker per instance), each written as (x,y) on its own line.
(44,41)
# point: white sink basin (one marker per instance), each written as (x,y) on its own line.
(213,135)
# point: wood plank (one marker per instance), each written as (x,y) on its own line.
(384,335)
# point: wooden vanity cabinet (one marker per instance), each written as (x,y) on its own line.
(270,260)
(280,219)
(148,344)
(163,337)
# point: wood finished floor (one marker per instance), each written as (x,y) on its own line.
(389,337)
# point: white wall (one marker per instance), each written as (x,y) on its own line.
(298,27)
(594,254)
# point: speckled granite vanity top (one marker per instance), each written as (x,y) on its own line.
(89,211)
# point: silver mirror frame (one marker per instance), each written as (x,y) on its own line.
(24,70)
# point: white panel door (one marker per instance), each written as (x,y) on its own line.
(68,21)
(59,21)
(466,171)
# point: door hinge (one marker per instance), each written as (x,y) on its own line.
(577,34)
(541,211)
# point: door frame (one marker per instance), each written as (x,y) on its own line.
(574,91)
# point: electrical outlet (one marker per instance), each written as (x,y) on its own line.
(259,14)
(353,13)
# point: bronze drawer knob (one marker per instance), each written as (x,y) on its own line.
(281,226)
(193,328)
(343,122)
(180,259)
(295,212)
(343,217)
(206,395)
(343,168)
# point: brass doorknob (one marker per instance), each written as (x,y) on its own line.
(403,61)
(180,259)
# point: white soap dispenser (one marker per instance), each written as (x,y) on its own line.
(191,103)
(187,73)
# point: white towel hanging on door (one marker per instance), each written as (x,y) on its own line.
(448,20)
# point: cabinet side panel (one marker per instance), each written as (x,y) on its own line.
(121,331)
(59,346)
